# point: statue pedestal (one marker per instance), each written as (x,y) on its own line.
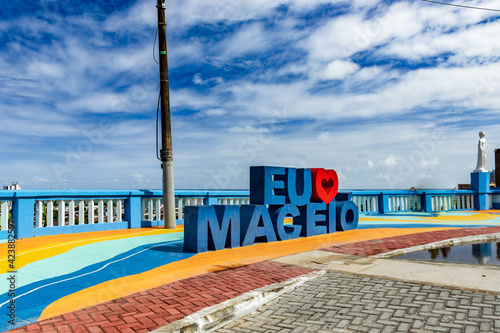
(480,183)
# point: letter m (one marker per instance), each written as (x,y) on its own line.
(211,228)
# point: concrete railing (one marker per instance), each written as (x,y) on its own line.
(389,201)
(37,213)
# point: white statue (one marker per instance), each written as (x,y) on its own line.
(481,153)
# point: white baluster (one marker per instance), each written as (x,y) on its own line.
(4,207)
(50,213)
(39,214)
(91,211)
(100,211)
(81,212)
(71,212)
(61,213)
(109,214)
(179,208)
(150,209)
(158,209)
(119,210)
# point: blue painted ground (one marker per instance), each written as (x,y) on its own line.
(33,298)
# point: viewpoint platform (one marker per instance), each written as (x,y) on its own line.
(141,280)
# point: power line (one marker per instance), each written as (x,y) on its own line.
(463,6)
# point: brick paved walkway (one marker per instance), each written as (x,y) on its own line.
(337,302)
(420,307)
(377,246)
(150,309)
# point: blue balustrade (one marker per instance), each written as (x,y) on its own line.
(41,213)
(38,213)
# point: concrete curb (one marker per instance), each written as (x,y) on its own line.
(213,317)
(444,243)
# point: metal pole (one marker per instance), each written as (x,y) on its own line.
(166,132)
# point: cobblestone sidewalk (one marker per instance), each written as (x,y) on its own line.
(338,302)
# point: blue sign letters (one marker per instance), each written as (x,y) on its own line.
(307,196)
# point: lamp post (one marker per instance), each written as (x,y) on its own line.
(166,154)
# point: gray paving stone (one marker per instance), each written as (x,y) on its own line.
(338,302)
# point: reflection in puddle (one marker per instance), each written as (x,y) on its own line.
(484,254)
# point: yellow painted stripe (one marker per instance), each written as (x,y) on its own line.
(473,217)
(29,250)
(213,261)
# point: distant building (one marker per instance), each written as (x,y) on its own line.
(492,177)
(13,186)
(497,166)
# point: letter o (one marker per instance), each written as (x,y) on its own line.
(347,216)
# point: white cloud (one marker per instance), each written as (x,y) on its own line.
(215,112)
(197,79)
(247,129)
(339,69)
(324,137)
(390,161)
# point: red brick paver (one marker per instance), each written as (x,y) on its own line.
(377,246)
(153,308)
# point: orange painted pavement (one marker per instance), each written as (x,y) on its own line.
(29,250)
(213,261)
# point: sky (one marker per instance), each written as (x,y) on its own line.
(390,94)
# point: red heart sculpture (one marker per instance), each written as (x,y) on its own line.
(325,184)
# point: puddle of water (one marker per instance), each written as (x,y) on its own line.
(483,254)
